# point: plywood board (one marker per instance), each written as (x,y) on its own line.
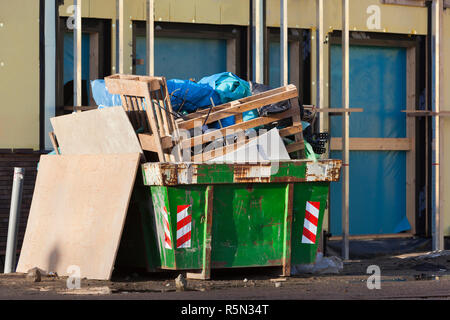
(99,131)
(77,213)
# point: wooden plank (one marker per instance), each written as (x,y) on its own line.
(101,131)
(375,236)
(78,213)
(79,108)
(412,3)
(53,141)
(338,111)
(411,134)
(289,131)
(148,142)
(425,113)
(373,144)
(93,61)
(239,126)
(261,95)
(132,85)
(297,121)
(154,126)
(237,108)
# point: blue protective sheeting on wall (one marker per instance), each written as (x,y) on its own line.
(274,64)
(377,178)
(68,58)
(184,58)
(377,193)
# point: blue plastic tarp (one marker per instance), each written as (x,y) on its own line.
(186,95)
(101,95)
(230,87)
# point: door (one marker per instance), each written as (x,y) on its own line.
(380,140)
(183,58)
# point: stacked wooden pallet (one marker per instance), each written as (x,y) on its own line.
(147,102)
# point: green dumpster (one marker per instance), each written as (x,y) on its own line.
(209,215)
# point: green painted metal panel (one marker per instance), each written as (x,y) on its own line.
(195,197)
(248,219)
(303,192)
(247,225)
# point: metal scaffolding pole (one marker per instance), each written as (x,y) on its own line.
(50,68)
(258,40)
(437,223)
(119,36)
(77,87)
(283,43)
(151,37)
(319,54)
(345,129)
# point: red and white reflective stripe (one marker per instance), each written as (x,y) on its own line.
(184,222)
(167,238)
(311,222)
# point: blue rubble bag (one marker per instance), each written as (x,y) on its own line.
(230,87)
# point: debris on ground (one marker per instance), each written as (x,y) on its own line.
(180,283)
(323,265)
(88,291)
(35,274)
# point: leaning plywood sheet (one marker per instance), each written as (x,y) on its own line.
(77,213)
(99,131)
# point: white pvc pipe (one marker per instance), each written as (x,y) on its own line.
(14,218)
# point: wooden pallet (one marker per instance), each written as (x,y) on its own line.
(168,137)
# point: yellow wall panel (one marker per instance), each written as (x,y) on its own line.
(207,11)
(190,11)
(235,12)
(65,11)
(394,19)
(162,10)
(136,9)
(102,9)
(19,74)
(182,10)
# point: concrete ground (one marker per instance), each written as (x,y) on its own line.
(409,276)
